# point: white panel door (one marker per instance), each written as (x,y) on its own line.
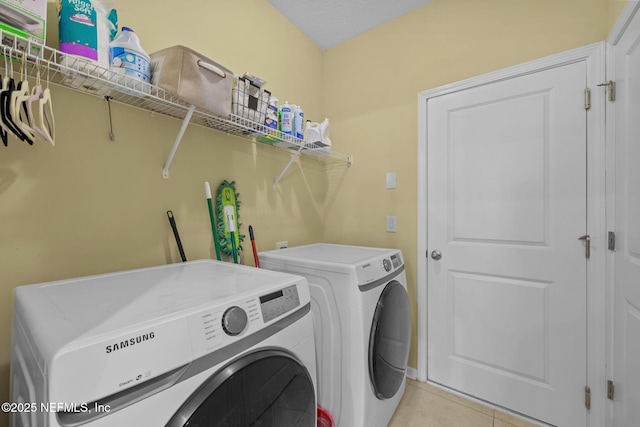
(506,205)
(626,348)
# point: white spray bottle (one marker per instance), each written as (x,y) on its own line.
(298,123)
(287,118)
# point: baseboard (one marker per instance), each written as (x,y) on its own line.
(412,373)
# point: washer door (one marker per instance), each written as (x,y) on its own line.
(268,388)
(389,341)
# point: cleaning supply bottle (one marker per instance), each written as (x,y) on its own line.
(287,117)
(86,27)
(127,56)
(298,123)
(293,123)
(271,120)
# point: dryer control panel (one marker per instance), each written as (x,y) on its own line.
(379,268)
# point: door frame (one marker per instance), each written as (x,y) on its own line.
(596,353)
(627,15)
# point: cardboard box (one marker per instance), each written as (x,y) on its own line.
(27,19)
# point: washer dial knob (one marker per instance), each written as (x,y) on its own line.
(387,265)
(234,320)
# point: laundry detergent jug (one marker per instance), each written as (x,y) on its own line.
(127,56)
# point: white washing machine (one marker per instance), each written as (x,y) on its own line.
(202,343)
(362,326)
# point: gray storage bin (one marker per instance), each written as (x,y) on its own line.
(193,78)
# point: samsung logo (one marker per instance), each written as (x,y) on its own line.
(130,342)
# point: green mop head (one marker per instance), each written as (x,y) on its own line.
(226,196)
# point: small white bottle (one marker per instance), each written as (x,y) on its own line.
(287,118)
(298,123)
(127,57)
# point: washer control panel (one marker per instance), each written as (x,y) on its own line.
(213,328)
(278,303)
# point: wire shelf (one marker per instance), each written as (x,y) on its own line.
(88,77)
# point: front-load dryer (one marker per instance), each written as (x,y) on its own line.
(202,343)
(362,326)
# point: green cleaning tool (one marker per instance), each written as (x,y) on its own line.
(227,207)
(216,243)
(230,221)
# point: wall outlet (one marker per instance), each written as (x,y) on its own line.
(282,245)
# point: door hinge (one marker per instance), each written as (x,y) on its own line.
(587,397)
(610,390)
(587,245)
(612,241)
(587,98)
(611,87)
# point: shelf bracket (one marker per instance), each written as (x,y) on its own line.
(112,137)
(293,157)
(183,128)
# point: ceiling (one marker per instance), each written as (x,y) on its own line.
(330,22)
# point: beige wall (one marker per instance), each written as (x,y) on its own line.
(89,205)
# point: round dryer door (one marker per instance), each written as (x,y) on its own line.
(266,388)
(389,341)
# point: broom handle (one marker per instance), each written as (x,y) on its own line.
(216,243)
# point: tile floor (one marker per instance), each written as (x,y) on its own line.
(424,405)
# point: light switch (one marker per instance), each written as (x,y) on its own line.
(391,180)
(391,224)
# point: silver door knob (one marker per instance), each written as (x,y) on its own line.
(436,255)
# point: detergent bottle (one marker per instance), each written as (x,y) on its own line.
(127,56)
(298,123)
(86,27)
(287,118)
